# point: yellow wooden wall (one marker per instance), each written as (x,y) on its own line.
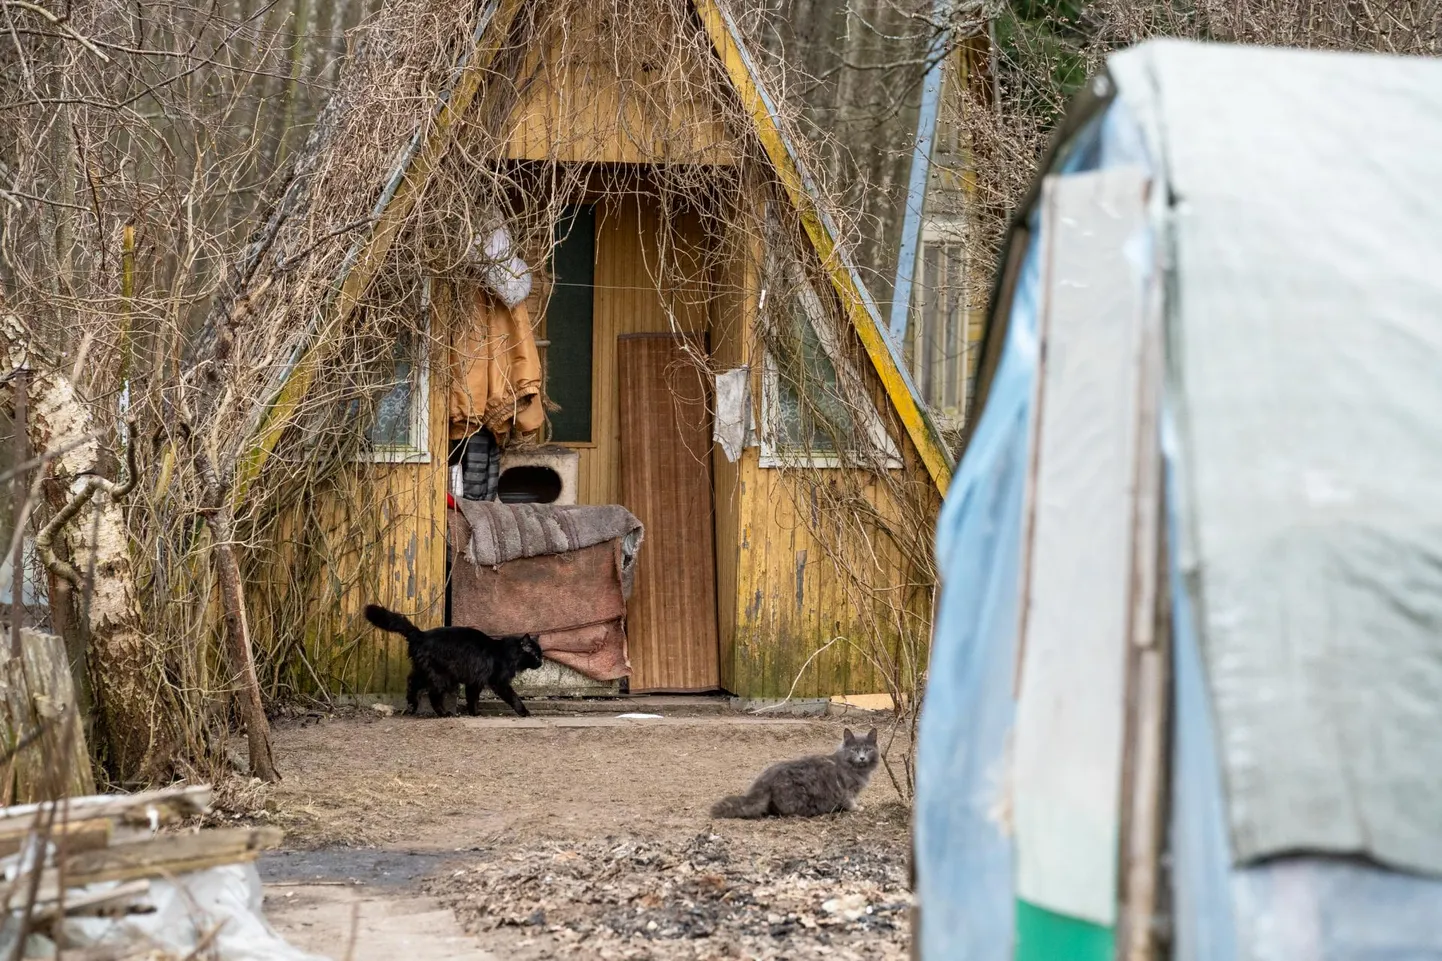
(782,594)
(376,535)
(577,109)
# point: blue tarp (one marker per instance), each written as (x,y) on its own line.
(963,856)
(1320,909)
(963,852)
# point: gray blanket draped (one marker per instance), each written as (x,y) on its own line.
(507,532)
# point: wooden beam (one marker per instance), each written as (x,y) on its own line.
(163,856)
(72,835)
(170,854)
(395,205)
(856,303)
(166,804)
(1143,836)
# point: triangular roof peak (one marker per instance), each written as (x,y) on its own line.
(492,53)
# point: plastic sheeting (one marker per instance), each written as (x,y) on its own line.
(187,909)
(963,852)
(964,860)
(1305,342)
(1290,908)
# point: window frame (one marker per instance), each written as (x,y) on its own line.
(592,398)
(776,455)
(944,232)
(418,450)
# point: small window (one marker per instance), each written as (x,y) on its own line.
(803,368)
(569,325)
(399,430)
(816,408)
(942,337)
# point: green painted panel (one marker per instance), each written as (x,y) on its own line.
(1043,935)
(569,325)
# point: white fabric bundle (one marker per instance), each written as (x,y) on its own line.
(504,273)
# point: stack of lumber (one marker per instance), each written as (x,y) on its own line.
(107,838)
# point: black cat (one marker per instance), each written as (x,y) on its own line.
(443,657)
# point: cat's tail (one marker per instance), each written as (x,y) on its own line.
(392,622)
(751,805)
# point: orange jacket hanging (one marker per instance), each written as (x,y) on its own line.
(495,372)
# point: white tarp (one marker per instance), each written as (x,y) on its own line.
(220,907)
(1305,349)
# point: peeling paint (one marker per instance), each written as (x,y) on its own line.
(411,551)
(800,578)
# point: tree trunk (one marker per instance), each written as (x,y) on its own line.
(238,647)
(136,728)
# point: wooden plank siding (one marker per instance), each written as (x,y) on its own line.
(732,312)
(781,596)
(377,536)
(576,108)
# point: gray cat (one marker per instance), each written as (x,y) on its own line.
(808,786)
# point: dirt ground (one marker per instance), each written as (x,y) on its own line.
(590,837)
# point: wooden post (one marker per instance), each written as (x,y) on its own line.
(40,725)
(21,495)
(1144,784)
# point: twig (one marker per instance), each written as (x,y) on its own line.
(92,483)
(205,941)
(59,23)
(785,700)
(17,560)
(37,870)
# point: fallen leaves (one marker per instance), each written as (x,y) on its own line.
(706,897)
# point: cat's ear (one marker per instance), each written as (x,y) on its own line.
(871,735)
(846,736)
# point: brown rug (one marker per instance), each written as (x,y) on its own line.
(573,600)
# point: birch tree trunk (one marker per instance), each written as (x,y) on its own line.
(136,729)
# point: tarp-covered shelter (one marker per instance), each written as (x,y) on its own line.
(1188,656)
(611,281)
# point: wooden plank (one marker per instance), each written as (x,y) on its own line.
(1071,712)
(75,902)
(1144,787)
(666,482)
(164,805)
(170,854)
(725,39)
(158,857)
(71,835)
(37,691)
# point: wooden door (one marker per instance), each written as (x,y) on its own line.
(666,482)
